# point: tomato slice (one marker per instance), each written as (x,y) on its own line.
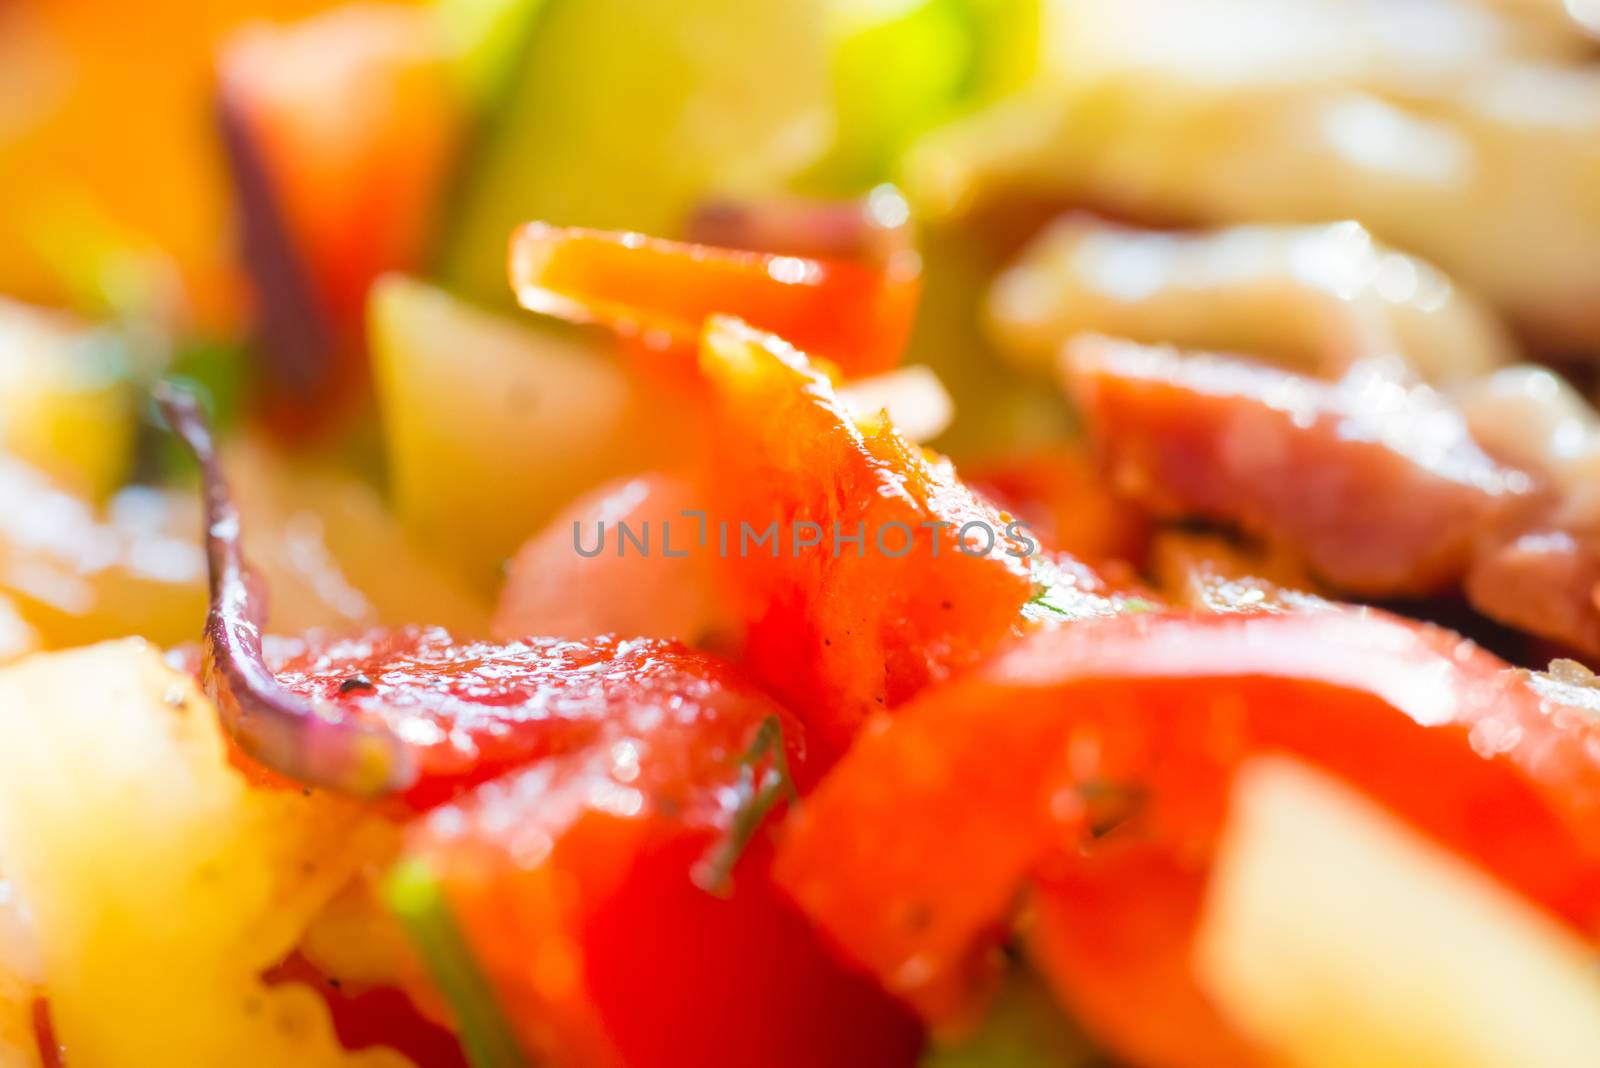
(375,1016)
(1112,933)
(1067,502)
(912,850)
(840,629)
(471,711)
(569,580)
(337,179)
(660,292)
(574,883)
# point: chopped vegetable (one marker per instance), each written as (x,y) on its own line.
(486,39)
(77,574)
(339,176)
(580,576)
(472,711)
(1171,704)
(614,114)
(573,881)
(659,293)
(842,630)
(334,555)
(493,426)
(1337,935)
(66,401)
(286,732)
(161,883)
(900,68)
(417,898)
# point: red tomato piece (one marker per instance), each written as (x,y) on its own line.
(914,847)
(341,131)
(1111,932)
(578,577)
(842,629)
(1067,504)
(375,1016)
(470,711)
(574,883)
(661,292)
(1112,929)
(357,155)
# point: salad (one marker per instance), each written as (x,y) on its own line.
(800,534)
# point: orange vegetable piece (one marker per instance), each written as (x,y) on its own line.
(660,292)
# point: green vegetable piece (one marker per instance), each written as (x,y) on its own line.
(625,115)
(485,39)
(1025,1028)
(898,69)
(415,895)
(902,67)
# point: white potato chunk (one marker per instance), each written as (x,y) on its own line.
(492,425)
(1337,936)
(917,403)
(160,882)
(1433,124)
(1315,298)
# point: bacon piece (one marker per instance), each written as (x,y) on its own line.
(1543,574)
(1543,581)
(1210,574)
(1375,482)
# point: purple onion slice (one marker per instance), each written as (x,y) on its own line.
(302,739)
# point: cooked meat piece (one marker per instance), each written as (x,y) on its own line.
(1376,483)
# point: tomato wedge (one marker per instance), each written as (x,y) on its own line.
(594,819)
(336,179)
(375,1016)
(660,292)
(471,711)
(1067,502)
(934,578)
(580,885)
(911,852)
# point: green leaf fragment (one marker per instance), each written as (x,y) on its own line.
(416,897)
(758,792)
(486,38)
